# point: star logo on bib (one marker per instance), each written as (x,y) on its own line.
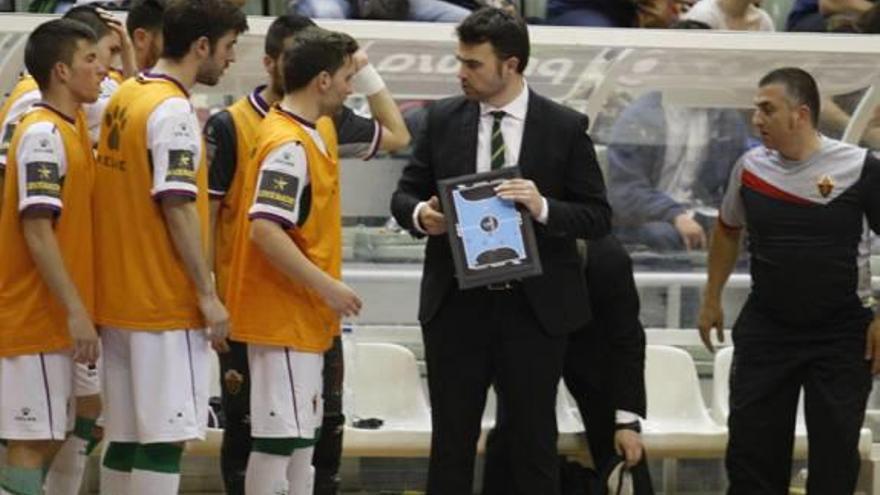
(825,185)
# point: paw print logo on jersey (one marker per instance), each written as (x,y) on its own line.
(114,119)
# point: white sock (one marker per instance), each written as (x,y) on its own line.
(66,471)
(114,482)
(266,474)
(153,483)
(300,472)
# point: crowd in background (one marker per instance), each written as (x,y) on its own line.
(851,16)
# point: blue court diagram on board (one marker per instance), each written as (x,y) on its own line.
(490,231)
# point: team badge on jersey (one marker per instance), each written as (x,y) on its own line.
(278,189)
(181,166)
(42,179)
(825,185)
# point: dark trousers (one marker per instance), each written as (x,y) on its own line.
(587,364)
(237,432)
(235,396)
(765,382)
(481,337)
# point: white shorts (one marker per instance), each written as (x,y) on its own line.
(35,396)
(86,379)
(155,385)
(286,390)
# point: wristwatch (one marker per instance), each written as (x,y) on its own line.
(635,426)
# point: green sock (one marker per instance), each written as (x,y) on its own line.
(85,428)
(22,481)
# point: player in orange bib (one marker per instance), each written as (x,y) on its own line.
(231,135)
(156,301)
(47,276)
(285,291)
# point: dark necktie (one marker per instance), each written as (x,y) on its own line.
(497,149)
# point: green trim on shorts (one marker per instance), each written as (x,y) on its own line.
(22,481)
(119,456)
(283,446)
(158,457)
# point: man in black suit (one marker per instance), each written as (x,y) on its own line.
(605,363)
(512,335)
(604,371)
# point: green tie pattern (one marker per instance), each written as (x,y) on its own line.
(497,160)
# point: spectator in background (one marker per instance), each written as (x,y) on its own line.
(613,13)
(413,10)
(811,15)
(731,15)
(667,168)
(869,22)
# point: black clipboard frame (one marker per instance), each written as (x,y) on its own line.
(505,272)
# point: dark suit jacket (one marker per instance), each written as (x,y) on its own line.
(558,155)
(605,362)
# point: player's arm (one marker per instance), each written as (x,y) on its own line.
(174,140)
(126,54)
(39,234)
(182,221)
(220,139)
(723,253)
(386,131)
(871,205)
(41,161)
(275,210)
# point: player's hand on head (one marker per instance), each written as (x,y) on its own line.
(524,192)
(341,298)
(85,338)
(115,24)
(872,345)
(360,59)
(711,316)
(431,219)
(216,321)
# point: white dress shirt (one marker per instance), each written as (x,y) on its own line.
(512,126)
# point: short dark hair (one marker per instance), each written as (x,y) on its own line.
(282,28)
(145,14)
(506,32)
(185,21)
(87,15)
(315,50)
(800,87)
(52,42)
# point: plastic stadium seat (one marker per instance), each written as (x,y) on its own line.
(678,425)
(721,409)
(386,384)
(721,385)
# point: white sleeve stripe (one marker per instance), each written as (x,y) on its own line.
(377,139)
